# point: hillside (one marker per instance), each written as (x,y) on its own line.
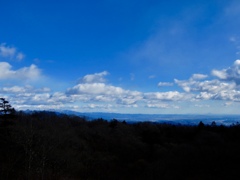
(57,146)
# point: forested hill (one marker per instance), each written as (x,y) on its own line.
(48,146)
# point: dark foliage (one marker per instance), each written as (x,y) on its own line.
(44,145)
(5,108)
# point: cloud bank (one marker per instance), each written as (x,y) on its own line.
(93,93)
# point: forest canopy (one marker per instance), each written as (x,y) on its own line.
(46,145)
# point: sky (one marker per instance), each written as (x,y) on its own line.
(128,56)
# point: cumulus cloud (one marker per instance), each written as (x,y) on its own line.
(95,88)
(220,74)
(166,96)
(230,74)
(94,78)
(26,73)
(10,52)
(211,90)
(33,99)
(94,93)
(212,86)
(14,89)
(29,97)
(226,87)
(103,92)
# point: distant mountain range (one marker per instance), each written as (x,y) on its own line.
(186,119)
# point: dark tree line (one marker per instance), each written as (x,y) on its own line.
(44,145)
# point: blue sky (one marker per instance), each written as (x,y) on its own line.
(167,56)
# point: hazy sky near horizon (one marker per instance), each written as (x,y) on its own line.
(128,56)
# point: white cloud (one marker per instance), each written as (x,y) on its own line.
(230,74)
(35,98)
(103,93)
(14,89)
(93,93)
(132,76)
(151,76)
(26,73)
(10,52)
(202,105)
(94,78)
(6,51)
(185,84)
(28,97)
(166,96)
(233,39)
(23,89)
(95,88)
(165,84)
(204,96)
(212,86)
(199,76)
(220,74)
(228,104)
(225,88)
(20,56)
(161,106)
(98,106)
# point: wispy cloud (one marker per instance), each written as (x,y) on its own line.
(132,76)
(160,84)
(161,106)
(9,52)
(151,76)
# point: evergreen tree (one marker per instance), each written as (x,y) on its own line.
(5,107)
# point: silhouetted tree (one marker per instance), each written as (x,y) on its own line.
(213,124)
(201,125)
(113,123)
(5,107)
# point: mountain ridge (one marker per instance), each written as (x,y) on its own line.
(184,119)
